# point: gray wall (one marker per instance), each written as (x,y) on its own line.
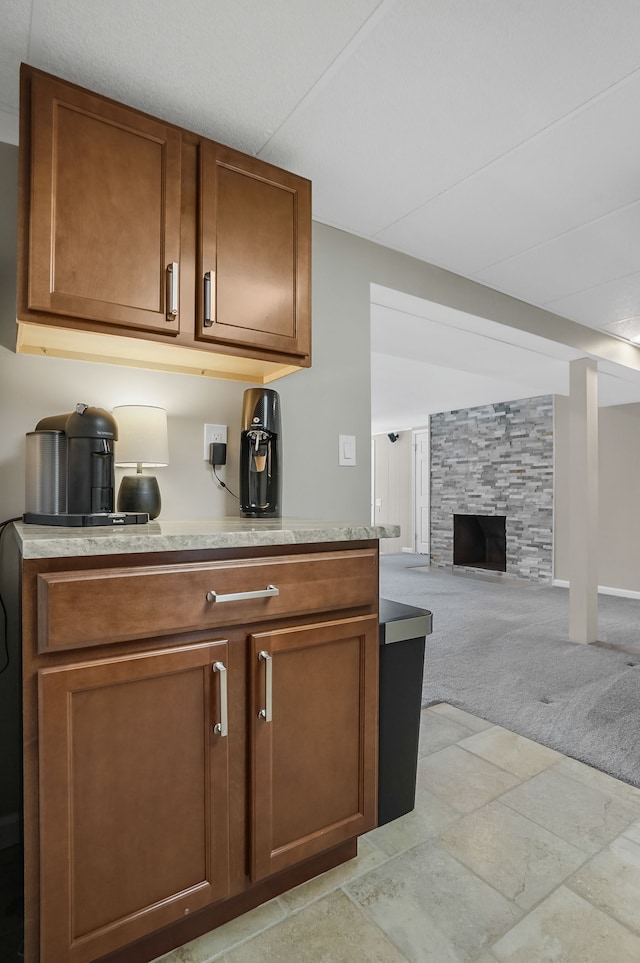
(619,483)
(496,460)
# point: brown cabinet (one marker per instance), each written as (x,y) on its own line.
(314,719)
(134,602)
(143,242)
(104,221)
(179,775)
(134,826)
(255,253)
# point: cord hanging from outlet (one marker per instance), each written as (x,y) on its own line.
(221,483)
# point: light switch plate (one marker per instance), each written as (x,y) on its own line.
(347,450)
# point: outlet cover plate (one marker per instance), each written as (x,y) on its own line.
(213,433)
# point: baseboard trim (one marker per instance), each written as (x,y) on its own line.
(409,550)
(603,589)
(9,830)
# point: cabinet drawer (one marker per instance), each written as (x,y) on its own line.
(96,606)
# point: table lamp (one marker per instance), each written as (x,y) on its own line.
(142,443)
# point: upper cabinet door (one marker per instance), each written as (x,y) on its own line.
(255,257)
(104,225)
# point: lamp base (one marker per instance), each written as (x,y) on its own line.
(140,493)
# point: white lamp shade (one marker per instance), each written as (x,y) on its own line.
(142,436)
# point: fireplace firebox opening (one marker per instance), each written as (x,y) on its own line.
(480,541)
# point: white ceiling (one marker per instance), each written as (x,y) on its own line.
(495,138)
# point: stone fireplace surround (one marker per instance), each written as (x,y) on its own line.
(496,460)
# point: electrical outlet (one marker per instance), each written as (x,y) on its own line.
(213,433)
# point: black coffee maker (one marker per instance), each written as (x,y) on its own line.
(260,454)
(70,470)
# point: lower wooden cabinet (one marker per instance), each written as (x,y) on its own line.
(169,775)
(314,719)
(133,798)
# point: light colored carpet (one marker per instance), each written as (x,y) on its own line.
(500,650)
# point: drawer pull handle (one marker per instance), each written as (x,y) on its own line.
(222,728)
(240,596)
(267,712)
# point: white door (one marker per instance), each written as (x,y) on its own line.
(421,491)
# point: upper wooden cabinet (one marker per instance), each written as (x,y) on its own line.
(104,224)
(255,253)
(142,243)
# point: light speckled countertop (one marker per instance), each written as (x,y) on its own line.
(49,541)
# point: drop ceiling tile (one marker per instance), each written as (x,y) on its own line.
(629,329)
(440,89)
(231,69)
(14,43)
(579,169)
(599,252)
(601,305)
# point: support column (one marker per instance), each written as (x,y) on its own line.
(583,504)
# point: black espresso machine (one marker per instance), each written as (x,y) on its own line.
(260,454)
(70,471)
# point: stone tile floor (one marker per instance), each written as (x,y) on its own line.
(513,854)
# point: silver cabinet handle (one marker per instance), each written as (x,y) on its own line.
(267,712)
(172,299)
(209,281)
(240,596)
(222,728)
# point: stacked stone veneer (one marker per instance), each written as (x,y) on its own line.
(496,460)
